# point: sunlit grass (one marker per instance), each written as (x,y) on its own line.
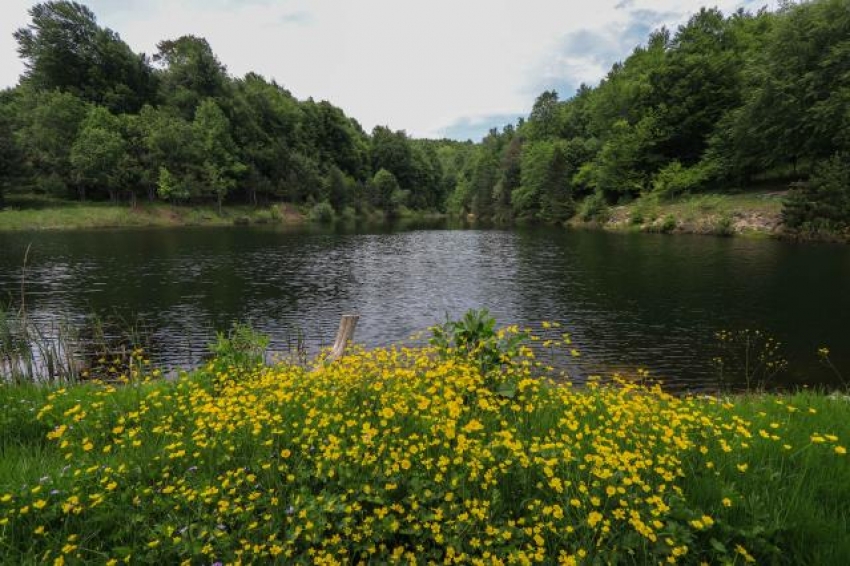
(749,213)
(74,215)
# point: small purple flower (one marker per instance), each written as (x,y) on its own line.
(290,510)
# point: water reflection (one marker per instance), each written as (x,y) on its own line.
(629,300)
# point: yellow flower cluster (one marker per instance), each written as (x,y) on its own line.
(394,454)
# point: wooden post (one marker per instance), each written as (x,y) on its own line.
(344,335)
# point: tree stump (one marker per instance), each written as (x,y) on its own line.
(344,335)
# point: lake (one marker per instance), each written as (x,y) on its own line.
(628,300)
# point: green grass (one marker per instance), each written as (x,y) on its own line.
(24,450)
(52,214)
(26,454)
(798,498)
(46,214)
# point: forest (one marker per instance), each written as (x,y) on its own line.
(724,103)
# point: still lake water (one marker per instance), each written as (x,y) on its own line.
(628,300)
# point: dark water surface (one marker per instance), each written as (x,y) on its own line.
(629,300)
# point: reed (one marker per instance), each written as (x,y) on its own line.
(59,350)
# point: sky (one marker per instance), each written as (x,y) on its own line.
(435,68)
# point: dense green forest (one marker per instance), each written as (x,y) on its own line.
(724,103)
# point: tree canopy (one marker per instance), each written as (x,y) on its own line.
(723,103)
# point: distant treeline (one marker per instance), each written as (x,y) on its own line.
(725,102)
(91,119)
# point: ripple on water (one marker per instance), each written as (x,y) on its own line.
(629,301)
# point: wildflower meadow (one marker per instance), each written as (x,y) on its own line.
(467,450)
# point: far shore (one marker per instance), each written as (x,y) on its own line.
(48,214)
(751,214)
(745,214)
(68,216)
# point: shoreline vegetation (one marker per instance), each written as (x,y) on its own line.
(669,140)
(468,449)
(48,214)
(755,214)
(749,215)
(108,215)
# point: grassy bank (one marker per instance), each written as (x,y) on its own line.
(414,455)
(754,214)
(50,215)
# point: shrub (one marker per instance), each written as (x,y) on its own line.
(322,212)
(52,185)
(724,226)
(594,208)
(348,214)
(645,210)
(242,347)
(668,224)
(675,179)
(822,204)
(275,214)
(555,211)
(475,337)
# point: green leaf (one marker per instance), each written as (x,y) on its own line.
(507,390)
(718,546)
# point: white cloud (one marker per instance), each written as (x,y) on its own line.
(423,66)
(13,14)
